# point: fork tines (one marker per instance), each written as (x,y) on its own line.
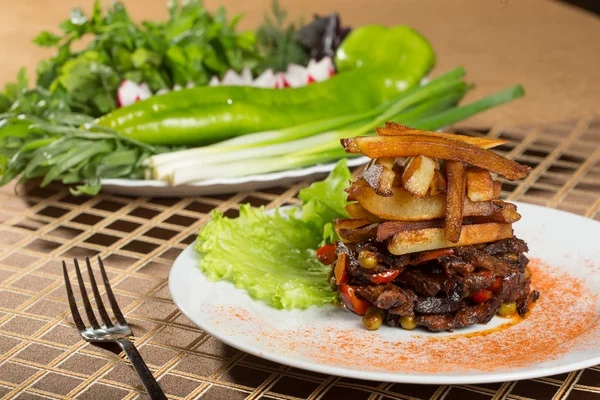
(86,301)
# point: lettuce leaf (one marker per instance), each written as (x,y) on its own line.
(324,201)
(273,256)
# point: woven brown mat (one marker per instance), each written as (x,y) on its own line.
(42,355)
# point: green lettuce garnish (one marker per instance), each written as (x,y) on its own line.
(273,256)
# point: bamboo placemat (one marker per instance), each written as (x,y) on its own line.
(43,356)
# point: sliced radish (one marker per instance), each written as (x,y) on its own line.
(214,81)
(321,70)
(280,81)
(247,76)
(129,92)
(265,80)
(177,87)
(296,75)
(231,78)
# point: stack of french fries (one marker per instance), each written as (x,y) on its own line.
(427,190)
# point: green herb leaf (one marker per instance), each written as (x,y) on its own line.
(47,39)
(326,200)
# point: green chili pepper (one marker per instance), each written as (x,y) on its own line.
(206,115)
(399,47)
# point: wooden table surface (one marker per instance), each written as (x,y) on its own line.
(551,48)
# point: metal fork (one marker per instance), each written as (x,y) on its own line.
(109,332)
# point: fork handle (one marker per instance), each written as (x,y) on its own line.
(142,369)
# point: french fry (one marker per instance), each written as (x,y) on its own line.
(354,231)
(438,183)
(507,215)
(480,185)
(455,199)
(418,174)
(435,238)
(435,147)
(356,211)
(353,186)
(388,229)
(394,129)
(380,175)
(403,206)
(497,189)
(349,223)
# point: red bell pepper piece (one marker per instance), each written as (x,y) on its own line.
(384,277)
(339,270)
(326,254)
(481,296)
(353,303)
(432,255)
(496,286)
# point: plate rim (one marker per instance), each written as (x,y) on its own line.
(479,377)
(267,177)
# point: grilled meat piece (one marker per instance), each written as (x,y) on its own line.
(456,265)
(386,296)
(436,305)
(421,282)
(478,280)
(512,245)
(483,260)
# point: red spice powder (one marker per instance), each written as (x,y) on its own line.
(564,318)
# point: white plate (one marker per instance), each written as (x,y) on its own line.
(561,334)
(153,188)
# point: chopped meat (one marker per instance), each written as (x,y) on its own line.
(455,288)
(420,282)
(456,265)
(478,280)
(407,308)
(437,322)
(468,315)
(386,296)
(483,260)
(512,245)
(439,289)
(524,303)
(436,305)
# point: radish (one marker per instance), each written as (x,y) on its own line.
(130,92)
(247,76)
(296,75)
(214,81)
(265,80)
(231,78)
(322,70)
